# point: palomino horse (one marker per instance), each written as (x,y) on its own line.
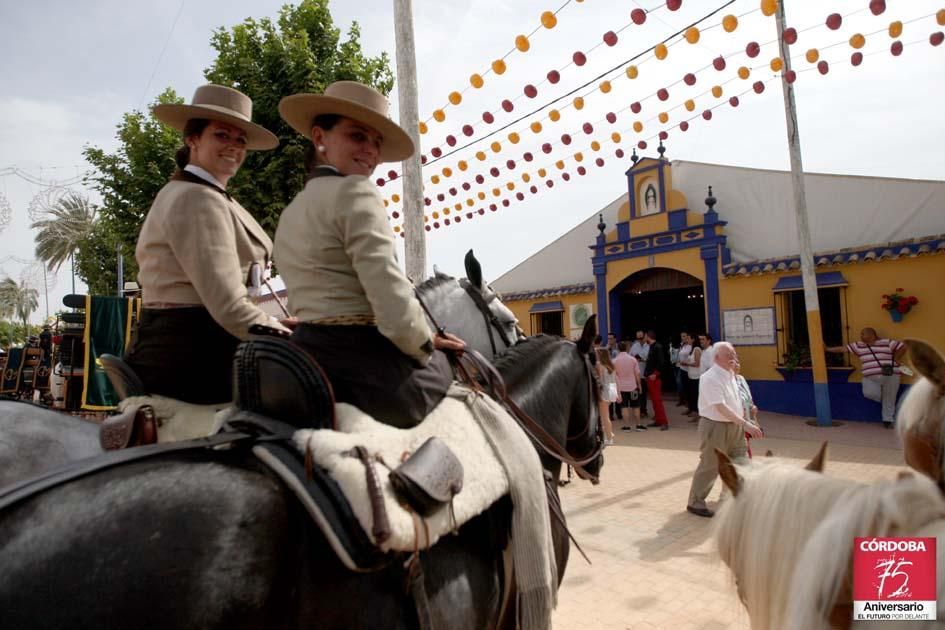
(787,536)
(921,416)
(208,539)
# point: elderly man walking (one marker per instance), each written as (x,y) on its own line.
(722,425)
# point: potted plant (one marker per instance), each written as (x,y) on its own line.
(898,304)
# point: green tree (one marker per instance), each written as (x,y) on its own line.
(63,229)
(18,299)
(300,51)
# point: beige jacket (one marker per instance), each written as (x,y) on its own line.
(196,247)
(335,251)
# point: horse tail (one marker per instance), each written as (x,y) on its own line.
(823,575)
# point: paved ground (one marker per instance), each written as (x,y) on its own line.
(654,563)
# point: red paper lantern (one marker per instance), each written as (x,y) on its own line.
(531,91)
(505,203)
(380,181)
(467,130)
(494,171)
(790,76)
(662,94)
(436,152)
(618,153)
(510,164)
(673,5)
(635,107)
(554,76)
(610,38)
(689,79)
(391,175)
(707,114)
(395,214)
(565,139)
(533,189)
(446,222)
(481,212)
(436,225)
(425,227)
(493,207)
(427,201)
(758,87)
(546,148)
(466,186)
(641,144)
(441,197)
(719,63)
(611,117)
(581,171)
(733,101)
(423,158)
(452,192)
(488,118)
(638,16)
(451,140)
(856,58)
(565,176)
(936,38)
(588,128)
(599,162)
(877,6)
(520,196)
(480,179)
(663,135)
(528,157)
(507,105)
(469,215)
(823,67)
(790,36)
(896,48)
(684,126)
(834,20)
(579,58)
(752,49)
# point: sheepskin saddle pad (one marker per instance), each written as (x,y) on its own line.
(172,420)
(453,421)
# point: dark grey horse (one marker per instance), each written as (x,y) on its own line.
(210,540)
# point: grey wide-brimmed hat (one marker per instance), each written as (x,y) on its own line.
(355,101)
(218,102)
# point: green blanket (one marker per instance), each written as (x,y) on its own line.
(107,331)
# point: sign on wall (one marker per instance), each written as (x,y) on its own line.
(749,326)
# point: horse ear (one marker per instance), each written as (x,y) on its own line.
(473,269)
(817,464)
(921,453)
(928,362)
(728,473)
(587,335)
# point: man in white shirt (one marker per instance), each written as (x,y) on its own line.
(708,350)
(640,350)
(722,425)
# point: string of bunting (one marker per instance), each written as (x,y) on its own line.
(934,39)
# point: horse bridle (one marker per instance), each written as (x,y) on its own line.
(492,322)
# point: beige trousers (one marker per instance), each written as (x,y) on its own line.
(728,438)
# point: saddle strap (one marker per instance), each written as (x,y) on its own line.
(381,526)
(419,593)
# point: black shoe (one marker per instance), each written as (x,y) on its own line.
(888,425)
(704,512)
(641,427)
(626,428)
(664,427)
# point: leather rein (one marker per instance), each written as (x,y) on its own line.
(492,322)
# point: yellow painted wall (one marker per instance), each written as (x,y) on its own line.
(868,281)
(525,320)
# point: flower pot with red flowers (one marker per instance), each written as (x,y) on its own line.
(899,304)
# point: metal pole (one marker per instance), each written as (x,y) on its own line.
(121,271)
(811,303)
(46,290)
(415,251)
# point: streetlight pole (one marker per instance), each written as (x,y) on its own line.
(415,252)
(811,302)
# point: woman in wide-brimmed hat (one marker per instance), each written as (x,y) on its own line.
(200,254)
(335,249)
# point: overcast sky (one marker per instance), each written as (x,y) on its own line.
(71,69)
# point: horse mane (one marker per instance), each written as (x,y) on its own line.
(922,405)
(515,358)
(889,508)
(547,388)
(436,284)
(788,536)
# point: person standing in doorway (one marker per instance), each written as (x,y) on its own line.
(679,366)
(708,353)
(879,364)
(653,375)
(628,382)
(693,366)
(640,351)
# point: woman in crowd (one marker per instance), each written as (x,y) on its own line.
(607,381)
(200,254)
(693,370)
(335,249)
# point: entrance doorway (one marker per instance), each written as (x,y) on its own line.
(665,300)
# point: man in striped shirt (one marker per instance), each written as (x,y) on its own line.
(879,363)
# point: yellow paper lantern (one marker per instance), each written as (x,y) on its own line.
(578,157)
(396,229)
(457,207)
(692,35)
(496,147)
(436,215)
(470,202)
(434,179)
(554,115)
(386,203)
(638,126)
(632,72)
(578,102)
(812,55)
(514,138)
(481,196)
(422,127)
(496,192)
(526,177)
(510,185)
(690,105)
(595,145)
(615,137)
(717,91)
(498,66)
(895,29)
(548,19)
(447,171)
(481,156)
(605,87)
(777,64)
(542,172)
(455,98)
(769,7)
(535,127)
(426,218)
(857,41)
(476,81)
(521,42)
(663,117)
(559,165)
(439,115)
(940,17)
(660,51)
(729,23)
(744,73)
(462,165)
(395,198)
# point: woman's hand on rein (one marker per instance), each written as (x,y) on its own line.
(290,322)
(447,341)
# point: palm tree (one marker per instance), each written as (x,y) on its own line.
(68,222)
(18,299)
